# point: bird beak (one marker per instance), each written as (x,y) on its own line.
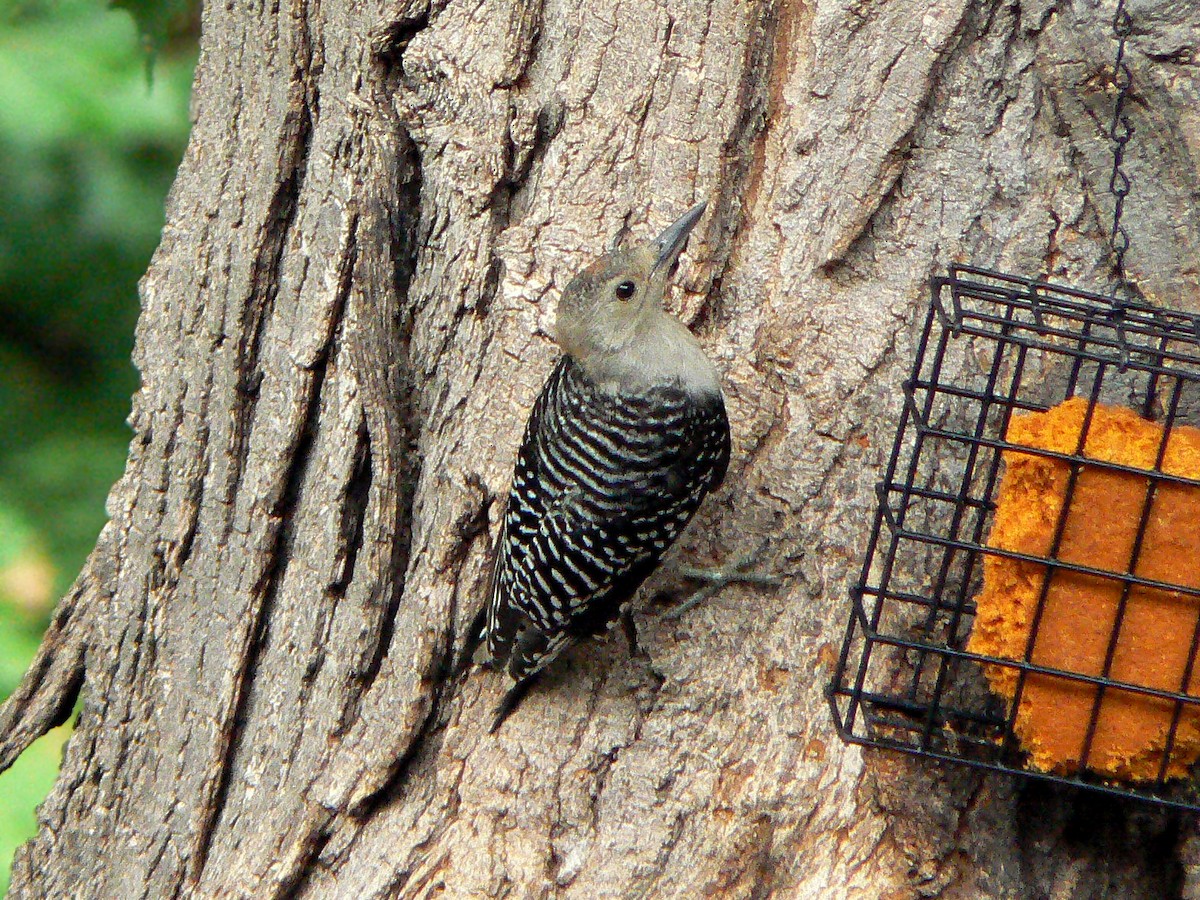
(670,243)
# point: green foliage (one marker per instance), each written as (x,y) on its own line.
(88,149)
(87,152)
(156,20)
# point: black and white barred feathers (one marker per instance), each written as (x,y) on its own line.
(603,485)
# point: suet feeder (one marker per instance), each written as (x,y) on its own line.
(1030,597)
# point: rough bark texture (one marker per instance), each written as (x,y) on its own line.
(341,335)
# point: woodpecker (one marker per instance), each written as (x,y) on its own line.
(627,437)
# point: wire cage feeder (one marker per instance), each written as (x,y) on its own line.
(1030,597)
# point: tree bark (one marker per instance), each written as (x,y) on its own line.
(342,333)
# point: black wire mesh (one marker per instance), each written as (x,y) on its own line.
(996,350)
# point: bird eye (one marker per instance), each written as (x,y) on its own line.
(625,290)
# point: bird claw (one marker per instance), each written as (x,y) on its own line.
(718,579)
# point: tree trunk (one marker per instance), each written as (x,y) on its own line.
(342,333)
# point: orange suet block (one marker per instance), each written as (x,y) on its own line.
(1080,611)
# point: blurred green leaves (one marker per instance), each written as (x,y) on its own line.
(156,20)
(87,152)
(88,149)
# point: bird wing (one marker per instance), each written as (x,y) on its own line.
(591,511)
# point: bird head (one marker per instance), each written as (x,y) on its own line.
(618,297)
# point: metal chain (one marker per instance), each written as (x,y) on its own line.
(1120,131)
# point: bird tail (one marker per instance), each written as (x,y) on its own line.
(515,694)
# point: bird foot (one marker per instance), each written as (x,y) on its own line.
(718,579)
